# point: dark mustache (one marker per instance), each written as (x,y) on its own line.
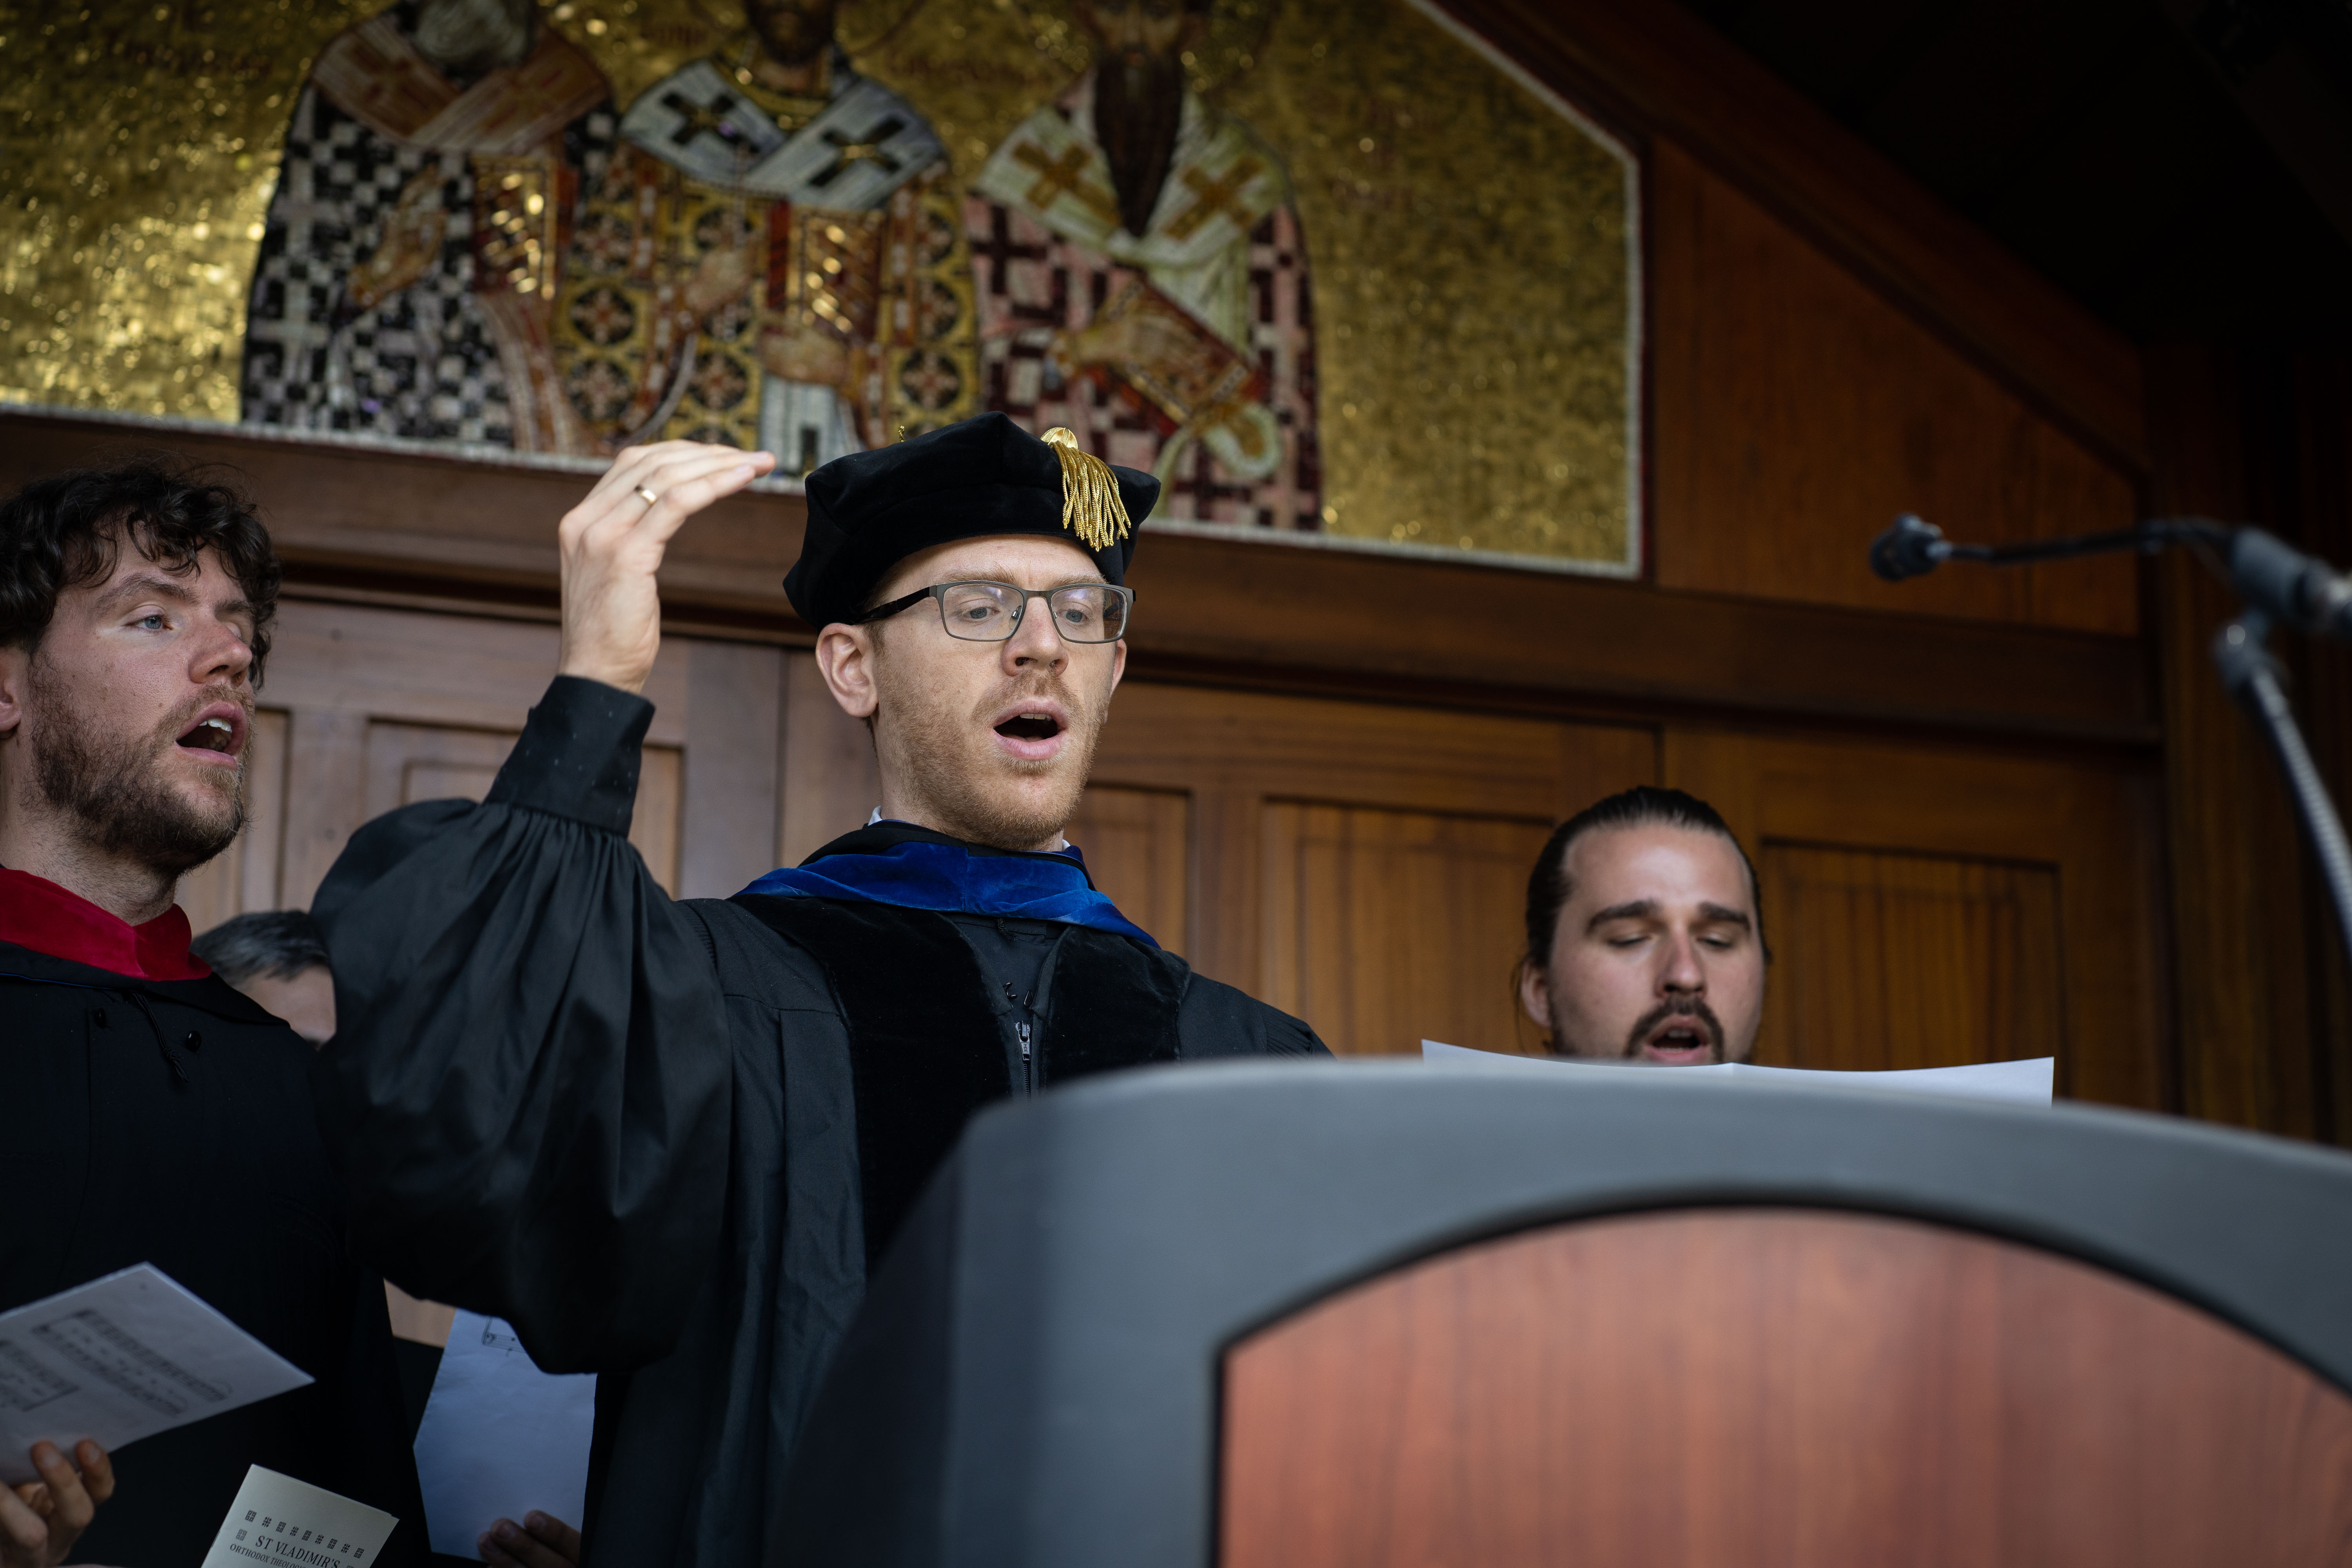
(176,723)
(1692,1007)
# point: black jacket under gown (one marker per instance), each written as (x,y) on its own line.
(667,1140)
(170,1121)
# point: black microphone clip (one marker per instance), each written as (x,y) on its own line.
(2302,590)
(1912,548)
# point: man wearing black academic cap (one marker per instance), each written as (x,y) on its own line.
(668,1141)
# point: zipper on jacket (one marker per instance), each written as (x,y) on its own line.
(1021,1033)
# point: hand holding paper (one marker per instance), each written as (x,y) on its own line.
(40,1520)
(540,1540)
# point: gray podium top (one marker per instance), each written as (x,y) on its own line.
(1034,1377)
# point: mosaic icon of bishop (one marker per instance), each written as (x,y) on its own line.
(1143,279)
(408,270)
(774,258)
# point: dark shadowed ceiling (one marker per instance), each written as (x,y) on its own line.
(2182,167)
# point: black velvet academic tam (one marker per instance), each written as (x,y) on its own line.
(665,1139)
(870,510)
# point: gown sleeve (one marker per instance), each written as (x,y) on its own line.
(529,1090)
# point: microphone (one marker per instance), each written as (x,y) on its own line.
(1912,548)
(2301,590)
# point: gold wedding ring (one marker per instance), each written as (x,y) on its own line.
(647,496)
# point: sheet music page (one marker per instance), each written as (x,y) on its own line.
(2030,1082)
(122,1358)
(499,1436)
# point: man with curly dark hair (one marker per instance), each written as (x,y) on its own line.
(155,1114)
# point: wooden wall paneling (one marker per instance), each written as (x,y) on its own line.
(1386,928)
(2322,387)
(326,793)
(1229,872)
(1992,831)
(1771,1386)
(1364,865)
(830,780)
(1911,961)
(1236,612)
(1137,845)
(382,708)
(480,672)
(727,807)
(1479,637)
(1797,411)
(245,876)
(2250,1050)
(411,762)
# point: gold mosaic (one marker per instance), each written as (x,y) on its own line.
(1464,244)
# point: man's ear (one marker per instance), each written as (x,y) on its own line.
(845,656)
(1534,997)
(16,673)
(1118,663)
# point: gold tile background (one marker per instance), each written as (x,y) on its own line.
(1472,292)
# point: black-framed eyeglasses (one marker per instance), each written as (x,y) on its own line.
(991,612)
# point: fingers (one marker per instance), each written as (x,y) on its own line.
(555,1533)
(541,1541)
(23,1533)
(97,1470)
(685,495)
(672,477)
(631,464)
(71,1508)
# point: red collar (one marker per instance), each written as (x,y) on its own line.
(38,914)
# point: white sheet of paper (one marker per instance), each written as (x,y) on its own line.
(2028,1082)
(278,1519)
(120,1358)
(500,1438)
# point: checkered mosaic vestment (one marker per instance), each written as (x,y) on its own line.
(420,364)
(1229,314)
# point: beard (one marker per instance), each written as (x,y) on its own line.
(792,32)
(113,789)
(969,793)
(1139,108)
(473,38)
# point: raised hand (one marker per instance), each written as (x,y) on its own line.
(40,1520)
(611,544)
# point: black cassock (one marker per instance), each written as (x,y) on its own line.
(666,1141)
(170,1122)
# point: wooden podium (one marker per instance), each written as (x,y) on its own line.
(1309,1316)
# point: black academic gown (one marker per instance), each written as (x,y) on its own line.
(172,1122)
(668,1141)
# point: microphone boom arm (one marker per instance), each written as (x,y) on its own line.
(2278,583)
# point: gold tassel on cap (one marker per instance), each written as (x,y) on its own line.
(1091,506)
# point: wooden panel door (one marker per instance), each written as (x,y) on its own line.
(408,762)
(1382,924)
(368,709)
(1359,865)
(1928,906)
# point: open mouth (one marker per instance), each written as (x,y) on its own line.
(1029,727)
(213,732)
(1679,1038)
